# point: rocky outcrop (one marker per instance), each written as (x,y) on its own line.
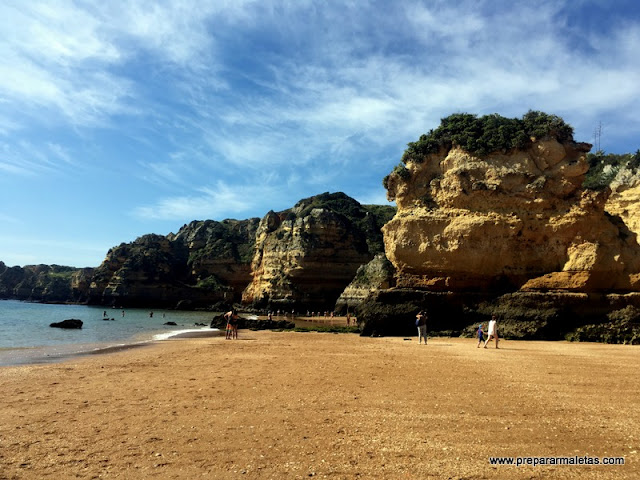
(220,252)
(378,274)
(307,255)
(508,231)
(205,263)
(507,221)
(624,200)
(220,323)
(71,323)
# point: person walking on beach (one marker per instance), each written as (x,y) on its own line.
(421,323)
(492,331)
(480,335)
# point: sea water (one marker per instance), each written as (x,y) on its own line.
(26,337)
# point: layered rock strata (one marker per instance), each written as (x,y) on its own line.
(512,233)
(507,221)
(624,200)
(45,283)
(376,275)
(307,255)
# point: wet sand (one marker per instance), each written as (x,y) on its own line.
(303,405)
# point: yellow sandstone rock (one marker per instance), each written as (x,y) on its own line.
(520,219)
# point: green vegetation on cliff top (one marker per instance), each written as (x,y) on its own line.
(483,135)
(487,134)
(603,168)
(491,133)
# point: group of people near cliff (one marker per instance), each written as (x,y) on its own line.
(492,330)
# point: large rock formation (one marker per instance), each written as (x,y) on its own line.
(476,226)
(205,263)
(507,221)
(376,275)
(306,256)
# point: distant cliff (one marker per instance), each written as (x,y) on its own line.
(45,283)
(205,263)
(306,256)
(378,274)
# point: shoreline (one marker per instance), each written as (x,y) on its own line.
(38,355)
(35,355)
(300,405)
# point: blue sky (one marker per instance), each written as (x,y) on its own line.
(122,118)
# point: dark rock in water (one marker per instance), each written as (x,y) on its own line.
(170,323)
(69,323)
(218,321)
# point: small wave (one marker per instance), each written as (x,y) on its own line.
(176,333)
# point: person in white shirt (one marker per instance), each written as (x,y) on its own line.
(492,331)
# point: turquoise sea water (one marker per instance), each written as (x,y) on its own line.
(25,335)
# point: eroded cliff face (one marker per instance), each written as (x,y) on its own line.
(220,252)
(506,222)
(206,262)
(378,274)
(307,255)
(624,200)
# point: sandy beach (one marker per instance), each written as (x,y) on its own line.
(318,405)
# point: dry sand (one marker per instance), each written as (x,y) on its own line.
(304,405)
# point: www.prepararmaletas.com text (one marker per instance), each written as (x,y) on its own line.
(575,460)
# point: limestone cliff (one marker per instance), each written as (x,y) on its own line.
(306,256)
(507,221)
(204,263)
(378,274)
(220,251)
(624,200)
(493,218)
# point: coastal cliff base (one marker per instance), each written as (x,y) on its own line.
(613,318)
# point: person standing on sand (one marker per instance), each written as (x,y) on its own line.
(421,323)
(234,325)
(492,331)
(229,317)
(480,335)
